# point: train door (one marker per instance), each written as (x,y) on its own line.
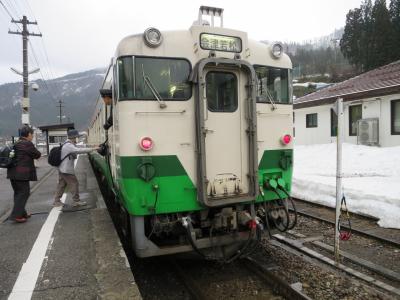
(225,143)
(226,131)
(226,135)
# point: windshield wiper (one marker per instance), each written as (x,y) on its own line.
(271,100)
(153,90)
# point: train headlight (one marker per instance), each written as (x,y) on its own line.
(286,139)
(152,37)
(146,143)
(277,50)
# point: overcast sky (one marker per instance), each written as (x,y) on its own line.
(82,35)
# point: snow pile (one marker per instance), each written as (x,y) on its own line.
(371,179)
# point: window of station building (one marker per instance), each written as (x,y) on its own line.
(221,91)
(395,117)
(272,83)
(334,123)
(311,120)
(57,139)
(355,114)
(146,78)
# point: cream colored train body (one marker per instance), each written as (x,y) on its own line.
(202,122)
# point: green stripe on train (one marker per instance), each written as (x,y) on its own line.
(275,164)
(165,165)
(176,191)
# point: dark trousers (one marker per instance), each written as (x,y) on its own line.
(21,194)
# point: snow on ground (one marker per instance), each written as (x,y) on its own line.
(371,179)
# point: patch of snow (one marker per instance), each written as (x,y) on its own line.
(371,179)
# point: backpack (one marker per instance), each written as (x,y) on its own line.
(7,157)
(54,159)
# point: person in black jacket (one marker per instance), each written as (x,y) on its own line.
(22,172)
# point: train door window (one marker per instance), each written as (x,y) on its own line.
(272,83)
(355,114)
(395,117)
(221,91)
(334,124)
(311,120)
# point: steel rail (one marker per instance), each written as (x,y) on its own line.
(279,285)
(310,253)
(353,229)
(192,287)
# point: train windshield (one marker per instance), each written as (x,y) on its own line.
(272,83)
(143,78)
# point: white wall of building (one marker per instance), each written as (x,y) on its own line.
(317,135)
(379,107)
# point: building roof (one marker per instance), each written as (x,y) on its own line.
(57,126)
(378,82)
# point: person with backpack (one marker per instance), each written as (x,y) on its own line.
(21,172)
(66,169)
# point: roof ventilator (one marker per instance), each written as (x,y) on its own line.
(210,11)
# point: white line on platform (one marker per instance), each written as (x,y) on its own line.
(26,281)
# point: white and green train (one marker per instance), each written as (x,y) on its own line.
(200,150)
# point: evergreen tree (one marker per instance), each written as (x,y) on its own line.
(372,35)
(394,11)
(351,42)
(367,24)
(381,39)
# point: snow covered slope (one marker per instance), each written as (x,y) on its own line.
(78,91)
(371,179)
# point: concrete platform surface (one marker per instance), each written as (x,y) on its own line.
(64,253)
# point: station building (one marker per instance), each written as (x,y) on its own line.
(56,134)
(371,105)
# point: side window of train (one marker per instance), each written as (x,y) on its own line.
(221,91)
(272,83)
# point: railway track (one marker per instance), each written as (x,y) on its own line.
(272,284)
(279,285)
(362,225)
(343,265)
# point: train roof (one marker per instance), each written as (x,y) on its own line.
(184,43)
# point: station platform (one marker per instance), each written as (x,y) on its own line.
(62,253)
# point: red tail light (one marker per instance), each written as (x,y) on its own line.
(286,139)
(146,143)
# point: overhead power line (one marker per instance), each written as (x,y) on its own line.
(6,9)
(42,61)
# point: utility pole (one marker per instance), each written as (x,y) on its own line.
(339,175)
(25,73)
(60,107)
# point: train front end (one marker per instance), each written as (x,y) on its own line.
(201,145)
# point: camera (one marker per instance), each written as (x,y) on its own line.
(35,86)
